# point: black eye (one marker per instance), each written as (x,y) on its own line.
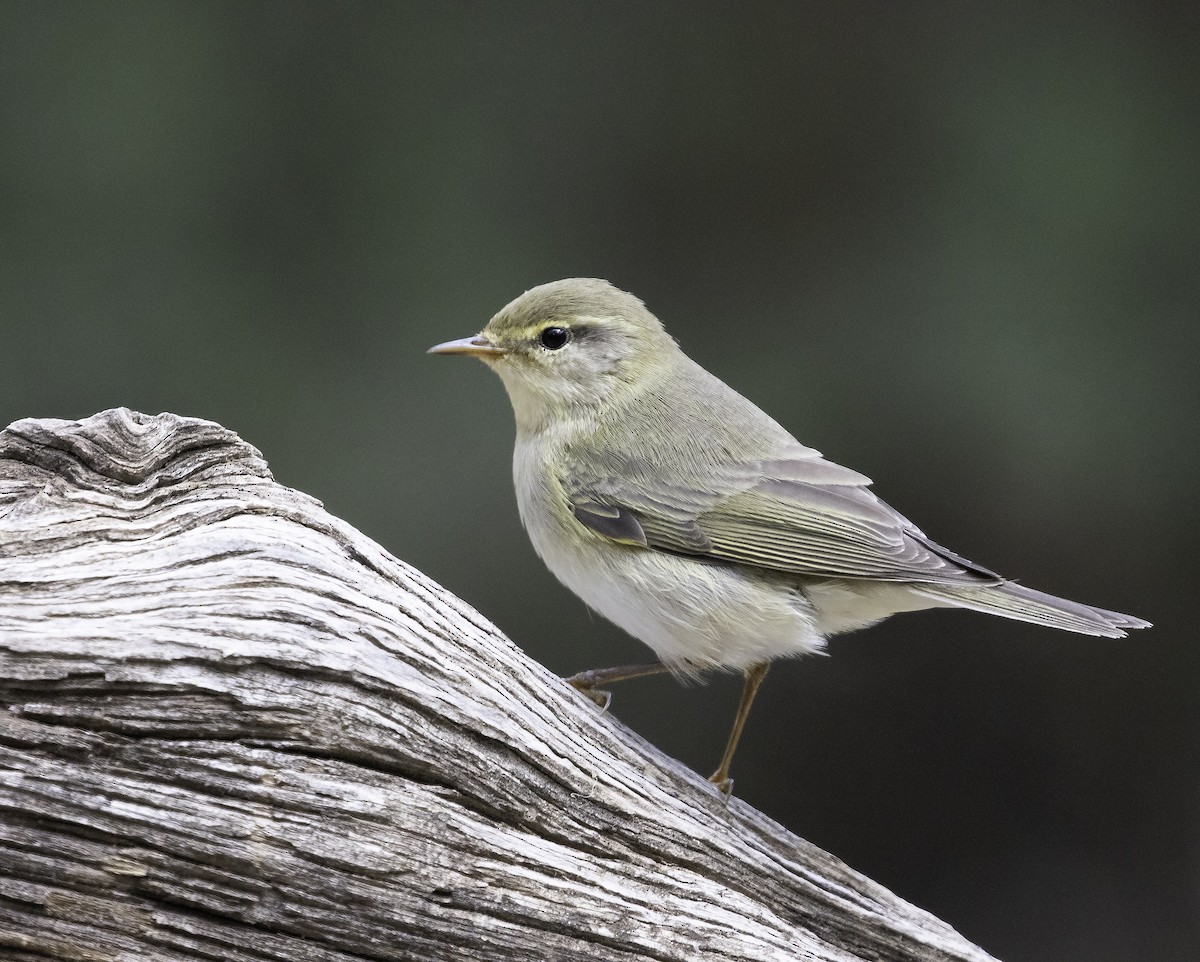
(555,337)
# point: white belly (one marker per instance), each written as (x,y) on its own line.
(694,615)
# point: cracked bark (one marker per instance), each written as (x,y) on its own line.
(235,728)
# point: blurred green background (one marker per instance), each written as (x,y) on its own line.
(956,247)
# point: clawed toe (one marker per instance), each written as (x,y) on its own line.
(723,783)
(600,696)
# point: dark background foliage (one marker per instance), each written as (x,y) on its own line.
(954,246)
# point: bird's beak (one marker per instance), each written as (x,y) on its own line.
(478,346)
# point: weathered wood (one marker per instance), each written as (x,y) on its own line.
(235,728)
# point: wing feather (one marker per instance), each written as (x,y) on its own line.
(805,516)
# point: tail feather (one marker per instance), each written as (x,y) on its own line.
(1012,600)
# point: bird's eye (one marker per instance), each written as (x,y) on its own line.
(553,338)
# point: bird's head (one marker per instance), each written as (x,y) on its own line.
(565,349)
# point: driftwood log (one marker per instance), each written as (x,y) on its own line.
(234,728)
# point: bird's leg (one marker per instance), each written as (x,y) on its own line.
(586,681)
(754,676)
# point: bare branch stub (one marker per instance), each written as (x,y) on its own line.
(233,727)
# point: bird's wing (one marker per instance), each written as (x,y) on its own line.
(799,514)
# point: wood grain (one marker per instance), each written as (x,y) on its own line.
(234,728)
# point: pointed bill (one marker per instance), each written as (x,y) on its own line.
(477,346)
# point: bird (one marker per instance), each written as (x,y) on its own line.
(687,516)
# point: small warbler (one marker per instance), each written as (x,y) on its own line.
(683,513)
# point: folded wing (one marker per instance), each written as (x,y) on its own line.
(800,514)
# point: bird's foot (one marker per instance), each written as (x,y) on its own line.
(585,684)
(723,783)
(586,681)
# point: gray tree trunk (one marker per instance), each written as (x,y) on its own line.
(234,728)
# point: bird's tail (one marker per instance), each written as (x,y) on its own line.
(1011,600)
